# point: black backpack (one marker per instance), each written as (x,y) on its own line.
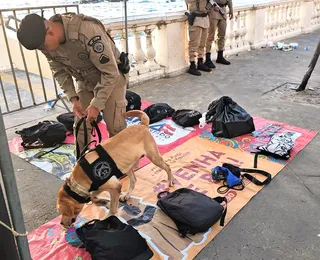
(186,117)
(44,134)
(158,111)
(112,239)
(192,211)
(68,120)
(134,101)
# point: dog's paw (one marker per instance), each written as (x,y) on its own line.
(124,197)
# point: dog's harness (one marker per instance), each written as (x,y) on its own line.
(100,171)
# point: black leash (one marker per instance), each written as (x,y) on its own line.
(94,127)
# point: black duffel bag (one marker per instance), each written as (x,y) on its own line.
(228,118)
(68,120)
(112,239)
(192,211)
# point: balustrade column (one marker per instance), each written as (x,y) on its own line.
(139,54)
(151,52)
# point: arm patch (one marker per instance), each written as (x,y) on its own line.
(94,39)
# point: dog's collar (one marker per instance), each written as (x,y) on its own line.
(75,195)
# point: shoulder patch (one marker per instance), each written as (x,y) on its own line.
(94,39)
(98,47)
(104,59)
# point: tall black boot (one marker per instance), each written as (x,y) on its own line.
(209,62)
(201,66)
(221,59)
(193,69)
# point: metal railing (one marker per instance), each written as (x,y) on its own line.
(20,90)
(14,205)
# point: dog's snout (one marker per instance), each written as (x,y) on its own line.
(73,220)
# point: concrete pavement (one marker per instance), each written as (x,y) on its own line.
(280,222)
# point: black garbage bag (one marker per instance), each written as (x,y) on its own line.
(228,118)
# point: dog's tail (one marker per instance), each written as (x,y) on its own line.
(145,120)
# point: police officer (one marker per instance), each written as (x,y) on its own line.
(198,32)
(218,22)
(78,46)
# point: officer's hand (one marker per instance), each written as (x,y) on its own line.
(77,108)
(230,16)
(92,113)
(216,8)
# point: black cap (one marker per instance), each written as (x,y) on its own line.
(32,31)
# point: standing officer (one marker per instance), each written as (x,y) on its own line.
(78,46)
(217,21)
(198,31)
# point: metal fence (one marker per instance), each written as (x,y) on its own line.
(22,80)
(11,247)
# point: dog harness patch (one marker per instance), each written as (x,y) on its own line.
(101,170)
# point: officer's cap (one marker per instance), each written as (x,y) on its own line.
(32,32)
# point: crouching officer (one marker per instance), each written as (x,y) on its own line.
(218,22)
(78,46)
(198,31)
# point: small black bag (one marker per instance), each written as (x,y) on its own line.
(44,134)
(186,117)
(112,239)
(68,120)
(192,211)
(124,65)
(134,101)
(158,111)
(228,118)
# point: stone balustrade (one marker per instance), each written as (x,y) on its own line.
(158,46)
(158,43)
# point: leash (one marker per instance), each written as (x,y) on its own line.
(94,127)
(15,233)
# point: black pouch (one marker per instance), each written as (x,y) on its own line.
(134,101)
(192,211)
(158,111)
(124,65)
(186,117)
(112,239)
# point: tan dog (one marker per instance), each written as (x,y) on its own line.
(125,148)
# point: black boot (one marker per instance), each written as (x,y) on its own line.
(222,60)
(201,66)
(193,70)
(209,62)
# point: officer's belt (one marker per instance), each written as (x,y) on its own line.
(200,14)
